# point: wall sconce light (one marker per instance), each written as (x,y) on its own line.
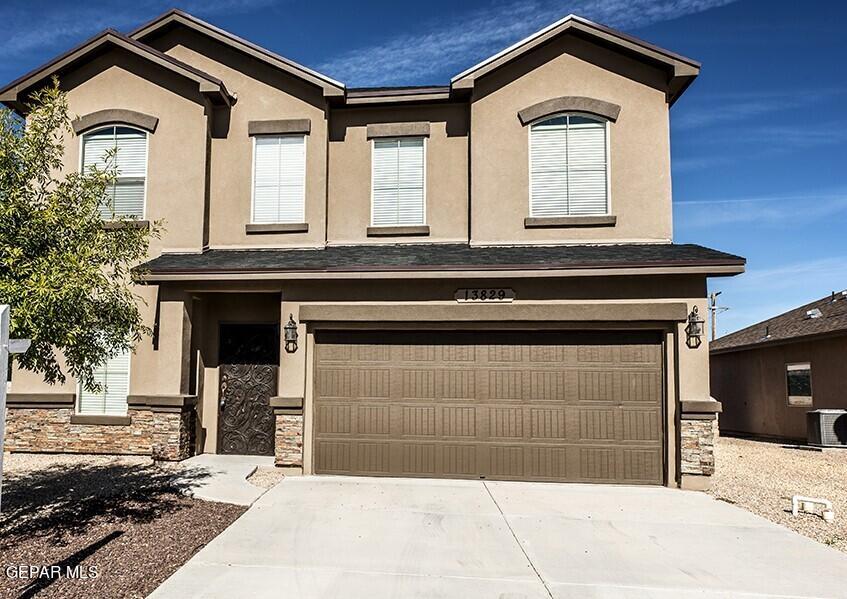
(694,330)
(289,333)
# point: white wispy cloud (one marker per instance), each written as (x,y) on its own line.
(433,48)
(725,145)
(778,209)
(719,108)
(22,32)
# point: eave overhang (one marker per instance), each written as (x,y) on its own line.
(442,261)
(15,93)
(681,70)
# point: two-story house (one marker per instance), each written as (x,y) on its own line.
(473,280)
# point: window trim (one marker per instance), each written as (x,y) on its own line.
(587,115)
(788,397)
(424,141)
(78,402)
(252,219)
(147,134)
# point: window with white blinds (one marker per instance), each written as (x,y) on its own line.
(279,179)
(125,149)
(568,167)
(398,181)
(113,376)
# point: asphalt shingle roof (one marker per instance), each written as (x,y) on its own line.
(793,324)
(404,257)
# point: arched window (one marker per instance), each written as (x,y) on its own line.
(569,166)
(126,195)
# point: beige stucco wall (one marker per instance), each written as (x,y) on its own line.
(446,185)
(263,93)
(176,155)
(175,193)
(639,152)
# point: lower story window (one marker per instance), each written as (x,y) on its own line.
(799,381)
(113,377)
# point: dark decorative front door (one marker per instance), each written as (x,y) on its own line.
(248,369)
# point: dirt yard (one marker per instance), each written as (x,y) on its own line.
(762,477)
(124,517)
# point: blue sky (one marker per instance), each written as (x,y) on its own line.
(759,140)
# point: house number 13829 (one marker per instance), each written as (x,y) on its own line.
(485,294)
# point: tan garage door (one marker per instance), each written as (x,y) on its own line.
(559,406)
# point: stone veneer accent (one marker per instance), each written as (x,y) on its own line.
(162,435)
(698,445)
(289,440)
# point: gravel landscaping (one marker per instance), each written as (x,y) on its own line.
(125,516)
(265,478)
(762,477)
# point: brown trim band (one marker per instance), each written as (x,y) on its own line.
(699,416)
(401,231)
(414,129)
(279,127)
(700,406)
(569,104)
(562,222)
(260,229)
(161,403)
(527,312)
(113,116)
(286,402)
(40,400)
(111,225)
(101,420)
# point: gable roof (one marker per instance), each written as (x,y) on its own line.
(793,325)
(681,70)
(12,93)
(173,17)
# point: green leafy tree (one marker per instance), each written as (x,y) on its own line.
(67,278)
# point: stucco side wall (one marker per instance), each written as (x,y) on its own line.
(639,152)
(263,93)
(751,385)
(176,156)
(446,171)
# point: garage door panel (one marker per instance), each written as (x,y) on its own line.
(418,421)
(569,406)
(547,423)
(640,425)
(641,465)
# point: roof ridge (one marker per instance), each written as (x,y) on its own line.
(236,39)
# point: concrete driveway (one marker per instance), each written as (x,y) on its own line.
(367,538)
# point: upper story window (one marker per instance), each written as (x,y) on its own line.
(279,179)
(125,149)
(113,377)
(569,167)
(398,181)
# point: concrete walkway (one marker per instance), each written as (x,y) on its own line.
(224,477)
(365,538)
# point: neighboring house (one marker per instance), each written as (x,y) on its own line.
(769,375)
(480,276)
